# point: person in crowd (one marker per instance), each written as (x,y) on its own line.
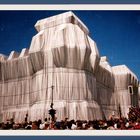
(34,125)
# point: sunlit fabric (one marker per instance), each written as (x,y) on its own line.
(63,55)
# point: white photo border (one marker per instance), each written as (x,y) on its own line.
(42,7)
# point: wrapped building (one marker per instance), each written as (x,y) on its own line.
(63,56)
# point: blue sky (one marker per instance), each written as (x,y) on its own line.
(117,33)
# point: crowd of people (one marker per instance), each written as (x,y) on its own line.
(130,123)
(112,124)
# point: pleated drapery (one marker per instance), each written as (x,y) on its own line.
(63,55)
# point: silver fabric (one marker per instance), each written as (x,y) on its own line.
(62,55)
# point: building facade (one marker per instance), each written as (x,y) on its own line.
(63,56)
